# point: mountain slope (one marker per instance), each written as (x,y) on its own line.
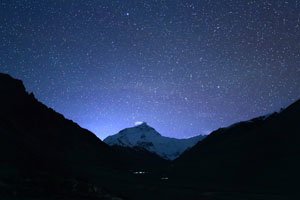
(42,133)
(260,155)
(146,137)
(42,154)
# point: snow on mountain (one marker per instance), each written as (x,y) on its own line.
(146,137)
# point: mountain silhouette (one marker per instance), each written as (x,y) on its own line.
(43,135)
(39,146)
(260,155)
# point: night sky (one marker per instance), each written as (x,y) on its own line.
(185,67)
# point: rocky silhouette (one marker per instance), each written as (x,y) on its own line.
(256,156)
(39,145)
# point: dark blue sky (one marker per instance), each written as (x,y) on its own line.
(185,67)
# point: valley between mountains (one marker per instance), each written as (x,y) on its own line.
(43,155)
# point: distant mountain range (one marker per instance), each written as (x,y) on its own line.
(46,156)
(145,137)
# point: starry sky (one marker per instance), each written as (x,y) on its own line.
(186,67)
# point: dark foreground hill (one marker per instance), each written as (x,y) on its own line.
(41,150)
(260,156)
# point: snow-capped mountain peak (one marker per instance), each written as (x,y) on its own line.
(142,129)
(146,137)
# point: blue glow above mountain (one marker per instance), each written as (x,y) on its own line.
(146,137)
